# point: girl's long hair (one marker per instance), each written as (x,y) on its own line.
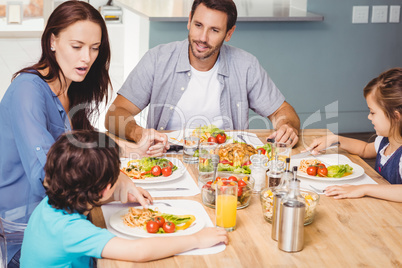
(387,89)
(85,96)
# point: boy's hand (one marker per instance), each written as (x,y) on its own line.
(126,191)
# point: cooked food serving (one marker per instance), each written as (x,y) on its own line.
(210,134)
(314,167)
(153,221)
(235,157)
(244,190)
(311,203)
(149,167)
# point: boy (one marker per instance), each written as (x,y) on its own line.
(81,170)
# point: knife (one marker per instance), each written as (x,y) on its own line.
(175,148)
(165,189)
(307,153)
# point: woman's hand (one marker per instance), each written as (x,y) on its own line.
(126,191)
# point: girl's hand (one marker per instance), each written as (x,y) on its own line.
(321,143)
(211,236)
(345,191)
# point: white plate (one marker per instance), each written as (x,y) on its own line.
(357,170)
(116,222)
(175,175)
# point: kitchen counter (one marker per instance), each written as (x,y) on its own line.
(248,10)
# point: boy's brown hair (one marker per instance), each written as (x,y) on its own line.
(79,166)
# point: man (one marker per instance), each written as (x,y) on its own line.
(201,80)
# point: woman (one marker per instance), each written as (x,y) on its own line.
(59,93)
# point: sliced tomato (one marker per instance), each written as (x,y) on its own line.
(263,151)
(169,227)
(239,191)
(226,162)
(159,220)
(312,170)
(156,171)
(212,139)
(241,183)
(247,163)
(232,178)
(166,171)
(221,138)
(322,171)
(152,227)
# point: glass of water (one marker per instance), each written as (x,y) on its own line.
(190,149)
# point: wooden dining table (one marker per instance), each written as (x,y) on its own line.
(362,232)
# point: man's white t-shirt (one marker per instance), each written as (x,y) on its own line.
(200,103)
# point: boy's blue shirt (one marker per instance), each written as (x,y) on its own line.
(55,238)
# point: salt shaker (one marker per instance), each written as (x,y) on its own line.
(291,218)
(280,191)
(258,170)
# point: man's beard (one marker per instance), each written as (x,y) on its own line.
(206,56)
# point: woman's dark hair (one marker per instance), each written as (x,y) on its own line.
(387,89)
(88,94)
(79,166)
(226,6)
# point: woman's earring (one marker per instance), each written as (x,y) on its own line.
(52,48)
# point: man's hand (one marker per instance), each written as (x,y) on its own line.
(285,134)
(287,124)
(152,144)
(126,191)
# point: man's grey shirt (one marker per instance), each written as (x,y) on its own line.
(162,75)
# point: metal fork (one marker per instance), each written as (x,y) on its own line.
(240,136)
(316,189)
(166,204)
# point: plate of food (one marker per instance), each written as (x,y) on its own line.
(152,169)
(208,133)
(156,221)
(328,170)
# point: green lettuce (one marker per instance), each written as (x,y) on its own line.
(147,163)
(337,171)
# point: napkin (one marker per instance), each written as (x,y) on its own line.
(111,208)
(322,184)
(186,181)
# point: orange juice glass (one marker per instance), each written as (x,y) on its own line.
(226,204)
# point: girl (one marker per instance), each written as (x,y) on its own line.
(384,99)
(59,93)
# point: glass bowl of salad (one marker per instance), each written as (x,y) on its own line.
(311,198)
(244,192)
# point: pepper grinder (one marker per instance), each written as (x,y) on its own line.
(291,218)
(279,193)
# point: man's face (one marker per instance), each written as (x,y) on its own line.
(207,32)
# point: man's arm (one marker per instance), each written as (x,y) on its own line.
(286,123)
(120,119)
